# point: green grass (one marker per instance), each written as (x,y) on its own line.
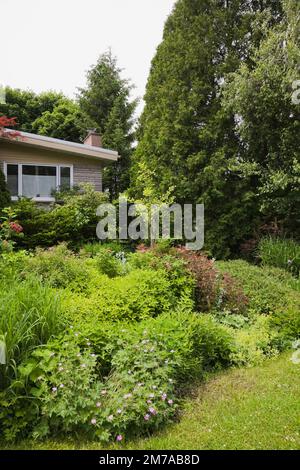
(281,253)
(254,408)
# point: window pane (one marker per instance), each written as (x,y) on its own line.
(65,178)
(38,181)
(12,179)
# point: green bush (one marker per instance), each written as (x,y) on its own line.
(59,268)
(74,222)
(255,342)
(265,291)
(11,265)
(280,253)
(109,263)
(181,281)
(136,296)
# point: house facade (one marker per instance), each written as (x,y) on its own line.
(34,166)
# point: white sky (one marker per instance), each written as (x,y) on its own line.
(49,44)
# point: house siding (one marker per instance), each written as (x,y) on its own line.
(85,170)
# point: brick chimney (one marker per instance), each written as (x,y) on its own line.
(93,139)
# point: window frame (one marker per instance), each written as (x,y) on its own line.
(57,166)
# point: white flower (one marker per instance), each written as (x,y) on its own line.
(110,418)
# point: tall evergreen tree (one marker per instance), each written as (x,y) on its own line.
(186,138)
(269,122)
(106,101)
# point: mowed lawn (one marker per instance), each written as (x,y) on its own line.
(254,408)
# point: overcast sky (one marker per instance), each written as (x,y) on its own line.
(49,44)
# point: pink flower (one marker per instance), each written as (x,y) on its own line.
(93,421)
(164,396)
(119,438)
(147,417)
(152,410)
(170,402)
(149,402)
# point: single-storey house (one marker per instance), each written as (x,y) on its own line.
(35,165)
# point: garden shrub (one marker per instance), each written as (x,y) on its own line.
(265,292)
(109,263)
(74,222)
(214,290)
(60,268)
(287,323)
(181,281)
(254,343)
(11,265)
(136,296)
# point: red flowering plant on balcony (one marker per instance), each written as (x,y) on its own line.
(9,230)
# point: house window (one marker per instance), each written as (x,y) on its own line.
(13,179)
(65,177)
(37,181)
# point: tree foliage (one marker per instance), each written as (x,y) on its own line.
(48,113)
(187,138)
(107,104)
(268,123)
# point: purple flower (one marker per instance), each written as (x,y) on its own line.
(54,389)
(170,402)
(93,421)
(152,410)
(147,417)
(119,438)
(164,396)
(61,386)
